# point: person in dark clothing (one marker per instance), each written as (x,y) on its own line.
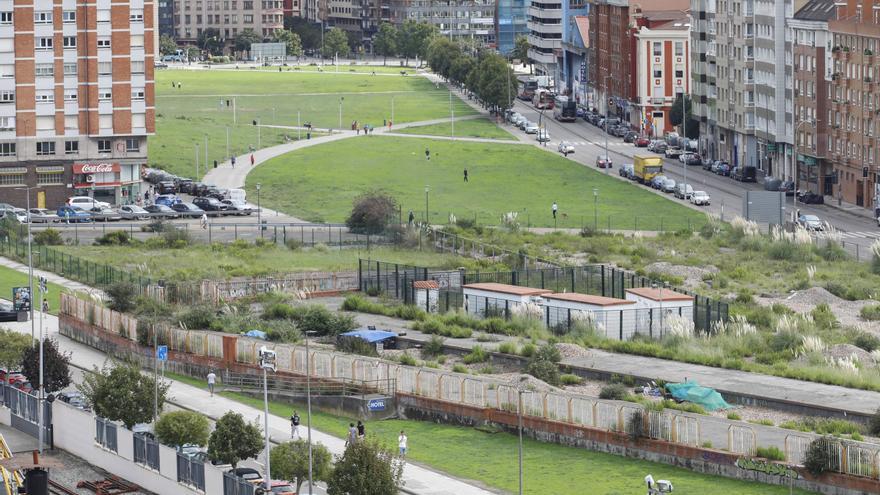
(427,153)
(465,175)
(362,431)
(232,161)
(412,217)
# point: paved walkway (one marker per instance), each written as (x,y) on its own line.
(51,277)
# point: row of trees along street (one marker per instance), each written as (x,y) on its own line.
(482,72)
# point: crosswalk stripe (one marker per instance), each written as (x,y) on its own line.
(860,235)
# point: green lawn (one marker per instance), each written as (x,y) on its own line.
(491,458)
(475,128)
(217,261)
(319,183)
(186,116)
(10,278)
(344,69)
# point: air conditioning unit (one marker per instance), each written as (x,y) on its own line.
(90,178)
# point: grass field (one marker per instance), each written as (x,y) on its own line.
(10,278)
(320,182)
(344,69)
(475,128)
(491,458)
(186,116)
(201,261)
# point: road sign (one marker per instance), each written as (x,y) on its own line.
(376,405)
(162,353)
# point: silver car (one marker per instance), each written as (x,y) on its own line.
(42,215)
(105,214)
(133,212)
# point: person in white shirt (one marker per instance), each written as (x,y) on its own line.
(212,378)
(401,443)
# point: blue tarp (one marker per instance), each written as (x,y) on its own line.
(259,334)
(371,336)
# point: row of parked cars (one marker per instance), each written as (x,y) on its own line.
(165,207)
(668,185)
(527,126)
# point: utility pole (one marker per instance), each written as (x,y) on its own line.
(686,141)
(309,405)
(42,406)
(234,112)
(197,162)
(452,112)
(227,142)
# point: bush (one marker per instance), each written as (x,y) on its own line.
(635,425)
(866,341)
(544,370)
(433,347)
(832,251)
(528,350)
(614,391)
(48,237)
(733,416)
(407,359)
(176,238)
(874,424)
(114,238)
(549,352)
(870,312)
(278,311)
(371,212)
(465,223)
(357,345)
(322,321)
(817,459)
(823,316)
(477,355)
(122,296)
(179,428)
(569,379)
(293,244)
(282,332)
(197,317)
(770,453)
(507,348)
(459,368)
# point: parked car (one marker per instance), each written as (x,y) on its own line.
(603,162)
(630,137)
(187,209)
(707,164)
(661,147)
(810,198)
(185,185)
(657,181)
(668,186)
(7,314)
(167,187)
(248,474)
(565,148)
(167,199)
(42,215)
(133,212)
(642,142)
(744,174)
(694,159)
(700,198)
(531,128)
(10,376)
(543,136)
(85,202)
(211,206)
(683,191)
(161,211)
(672,152)
(105,214)
(811,223)
(20,215)
(283,488)
(723,169)
(238,207)
(626,170)
(787,187)
(70,214)
(75,399)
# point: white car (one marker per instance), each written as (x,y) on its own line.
(20,215)
(673,152)
(133,212)
(531,128)
(86,203)
(238,207)
(811,222)
(565,148)
(700,198)
(42,215)
(543,136)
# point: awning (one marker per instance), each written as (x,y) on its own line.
(371,336)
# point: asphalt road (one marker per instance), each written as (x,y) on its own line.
(726,193)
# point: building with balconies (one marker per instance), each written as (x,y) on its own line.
(228,17)
(457,19)
(703,73)
(545,35)
(662,72)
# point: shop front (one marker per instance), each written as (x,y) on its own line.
(112,182)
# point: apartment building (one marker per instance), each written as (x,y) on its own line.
(229,17)
(704,70)
(456,19)
(76,99)
(813,69)
(545,34)
(361,17)
(511,21)
(662,71)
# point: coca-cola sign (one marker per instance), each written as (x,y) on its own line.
(95,168)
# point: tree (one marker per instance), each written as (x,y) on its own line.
(245,39)
(122,295)
(462,68)
(385,41)
(442,53)
(120,392)
(234,440)
(167,45)
(12,347)
(366,467)
(290,460)
(521,49)
(818,458)
(180,428)
(210,41)
(55,366)
(335,43)
(309,32)
(414,39)
(371,212)
(693,125)
(291,39)
(497,83)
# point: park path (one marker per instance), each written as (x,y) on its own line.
(419,480)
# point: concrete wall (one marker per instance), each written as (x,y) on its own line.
(5,416)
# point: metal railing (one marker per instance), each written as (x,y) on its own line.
(146,451)
(105,434)
(233,485)
(296,386)
(190,471)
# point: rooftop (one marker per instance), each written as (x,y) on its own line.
(508,289)
(426,284)
(817,10)
(587,299)
(659,294)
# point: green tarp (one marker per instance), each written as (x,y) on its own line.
(706,397)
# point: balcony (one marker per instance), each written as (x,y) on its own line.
(539,27)
(545,43)
(536,10)
(541,57)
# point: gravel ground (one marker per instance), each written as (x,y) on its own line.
(76,470)
(692,275)
(846,312)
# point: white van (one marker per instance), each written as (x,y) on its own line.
(236,195)
(85,202)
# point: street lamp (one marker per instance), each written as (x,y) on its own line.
(259,211)
(595,208)
(27,191)
(267,362)
(341,99)
(797,175)
(684,165)
(309,403)
(427,217)
(607,103)
(519,392)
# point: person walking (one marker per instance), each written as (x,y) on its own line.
(232,161)
(465,175)
(401,443)
(362,430)
(555,208)
(294,427)
(252,160)
(212,378)
(204,221)
(412,218)
(352,435)
(428,154)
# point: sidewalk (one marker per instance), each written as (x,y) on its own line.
(51,277)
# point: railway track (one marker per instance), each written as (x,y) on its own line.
(56,488)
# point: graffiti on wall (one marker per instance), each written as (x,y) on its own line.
(765,467)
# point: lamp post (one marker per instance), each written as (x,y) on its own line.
(259,211)
(607,103)
(309,403)
(427,217)
(27,191)
(519,392)
(797,176)
(595,208)
(684,165)
(341,99)
(267,362)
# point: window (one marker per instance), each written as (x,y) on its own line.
(70,69)
(44,70)
(68,16)
(105,68)
(137,94)
(50,175)
(679,73)
(679,48)
(69,41)
(44,43)
(658,73)
(104,42)
(137,40)
(248,5)
(658,49)
(70,95)
(7,96)
(132,145)
(45,96)
(6,18)
(45,148)
(248,19)
(103,15)
(103,146)
(105,95)
(7,149)
(137,67)
(71,147)
(43,17)
(12,176)
(7,123)
(136,15)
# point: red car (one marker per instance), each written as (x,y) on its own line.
(642,142)
(14,377)
(603,162)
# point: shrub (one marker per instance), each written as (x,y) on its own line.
(48,237)
(282,332)
(487,370)
(856,436)
(818,458)
(771,453)
(870,312)
(176,238)
(569,379)
(371,212)
(459,368)
(507,347)
(528,350)
(433,347)
(407,359)
(544,370)
(122,296)
(293,244)
(113,238)
(477,355)
(322,321)
(278,311)
(874,424)
(823,316)
(733,416)
(465,223)
(179,428)
(357,345)
(635,425)
(832,251)
(198,317)
(866,341)
(549,352)
(614,391)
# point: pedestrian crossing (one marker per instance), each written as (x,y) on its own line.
(859,235)
(592,143)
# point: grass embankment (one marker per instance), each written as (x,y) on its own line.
(10,278)
(186,116)
(491,458)
(503,178)
(473,128)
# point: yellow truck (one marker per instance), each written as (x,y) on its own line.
(645,168)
